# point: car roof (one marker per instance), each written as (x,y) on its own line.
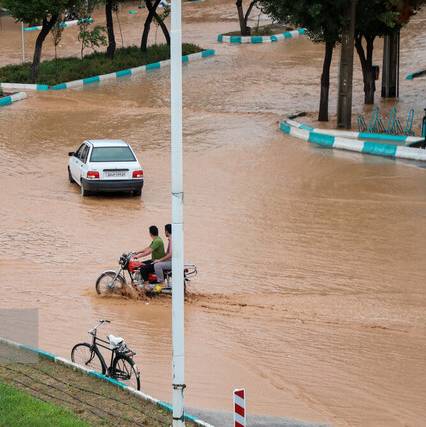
(107,143)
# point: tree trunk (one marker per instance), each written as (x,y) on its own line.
(110,29)
(245,31)
(325,82)
(346,68)
(164,28)
(247,15)
(366,60)
(45,30)
(147,26)
(370,83)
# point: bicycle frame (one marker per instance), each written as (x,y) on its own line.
(99,342)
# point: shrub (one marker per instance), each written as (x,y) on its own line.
(67,69)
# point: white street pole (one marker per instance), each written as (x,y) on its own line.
(177,215)
(23,42)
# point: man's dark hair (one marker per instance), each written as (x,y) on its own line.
(153,230)
(168,228)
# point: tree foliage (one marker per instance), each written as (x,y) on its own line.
(323,21)
(44,12)
(376,18)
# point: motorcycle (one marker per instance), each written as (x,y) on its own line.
(112,282)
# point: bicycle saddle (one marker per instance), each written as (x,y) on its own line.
(114,341)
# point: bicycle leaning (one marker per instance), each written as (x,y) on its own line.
(121,367)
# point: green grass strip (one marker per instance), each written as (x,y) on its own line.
(19,409)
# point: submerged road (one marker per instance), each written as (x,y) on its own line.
(311,287)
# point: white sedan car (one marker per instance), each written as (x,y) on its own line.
(105,165)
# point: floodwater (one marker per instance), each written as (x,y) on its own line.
(311,287)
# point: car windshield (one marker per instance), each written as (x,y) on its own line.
(112,154)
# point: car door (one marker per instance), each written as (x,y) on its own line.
(76,164)
(83,159)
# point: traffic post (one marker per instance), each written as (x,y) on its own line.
(240,408)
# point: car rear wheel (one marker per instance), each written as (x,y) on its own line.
(137,193)
(70,176)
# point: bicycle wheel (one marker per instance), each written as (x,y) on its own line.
(84,355)
(124,369)
(106,285)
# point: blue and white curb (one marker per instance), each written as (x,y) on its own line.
(23,86)
(221,38)
(7,100)
(357,135)
(111,76)
(102,377)
(62,25)
(366,147)
(412,76)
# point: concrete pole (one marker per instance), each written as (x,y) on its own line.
(390,73)
(23,42)
(177,215)
(344,100)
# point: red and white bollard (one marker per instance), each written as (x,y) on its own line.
(240,408)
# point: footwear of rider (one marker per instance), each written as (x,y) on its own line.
(158,287)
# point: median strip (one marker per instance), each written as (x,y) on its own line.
(110,76)
(221,38)
(366,147)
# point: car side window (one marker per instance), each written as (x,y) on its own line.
(84,154)
(79,152)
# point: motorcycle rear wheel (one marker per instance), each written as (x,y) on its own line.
(106,285)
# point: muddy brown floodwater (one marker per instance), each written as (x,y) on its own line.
(311,287)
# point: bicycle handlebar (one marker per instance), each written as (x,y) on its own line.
(101,322)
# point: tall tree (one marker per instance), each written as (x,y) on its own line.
(323,21)
(376,18)
(243,17)
(44,12)
(109,5)
(152,6)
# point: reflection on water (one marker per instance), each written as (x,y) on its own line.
(311,286)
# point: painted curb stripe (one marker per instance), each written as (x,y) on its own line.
(367,147)
(360,135)
(90,80)
(123,73)
(386,150)
(102,377)
(23,86)
(62,24)
(320,139)
(412,76)
(7,100)
(154,66)
(221,38)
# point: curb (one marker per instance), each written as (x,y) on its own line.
(24,86)
(111,76)
(131,71)
(415,74)
(221,38)
(356,135)
(365,147)
(102,377)
(62,25)
(7,100)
